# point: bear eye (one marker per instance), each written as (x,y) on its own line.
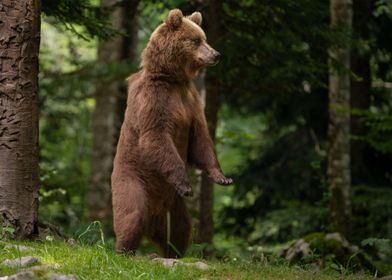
(196,41)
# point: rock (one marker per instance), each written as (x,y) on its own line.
(71,242)
(57,276)
(166,262)
(388,277)
(199,265)
(300,249)
(320,244)
(44,267)
(19,248)
(33,275)
(320,249)
(25,275)
(23,261)
(173,262)
(153,256)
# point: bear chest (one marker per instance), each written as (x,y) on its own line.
(182,123)
(181,137)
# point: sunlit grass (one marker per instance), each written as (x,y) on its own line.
(98,262)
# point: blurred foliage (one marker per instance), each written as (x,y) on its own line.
(276,67)
(66,103)
(382,245)
(379,124)
(74,14)
(372,209)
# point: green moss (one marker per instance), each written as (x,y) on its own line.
(314,236)
(328,247)
(336,254)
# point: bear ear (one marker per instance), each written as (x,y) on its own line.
(174,19)
(196,18)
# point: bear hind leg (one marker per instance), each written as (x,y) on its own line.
(129,213)
(179,231)
(133,225)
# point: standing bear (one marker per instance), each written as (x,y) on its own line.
(164,132)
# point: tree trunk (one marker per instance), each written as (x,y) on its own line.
(339,120)
(360,90)
(212,104)
(131,27)
(19,171)
(130,23)
(206,221)
(104,122)
(110,97)
(195,175)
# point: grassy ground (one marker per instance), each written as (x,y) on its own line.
(97,262)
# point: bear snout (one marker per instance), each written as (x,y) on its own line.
(213,58)
(216,56)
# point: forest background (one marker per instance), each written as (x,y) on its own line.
(268,104)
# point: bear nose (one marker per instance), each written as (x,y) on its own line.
(217,56)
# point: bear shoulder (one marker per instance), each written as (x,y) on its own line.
(150,105)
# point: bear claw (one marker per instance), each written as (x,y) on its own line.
(224,181)
(185,192)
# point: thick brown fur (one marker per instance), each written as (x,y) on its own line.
(164,132)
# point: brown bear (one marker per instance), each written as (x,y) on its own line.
(164,132)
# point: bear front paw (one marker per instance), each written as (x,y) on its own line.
(219,178)
(223,180)
(185,191)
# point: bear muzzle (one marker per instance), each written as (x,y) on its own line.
(207,56)
(212,58)
(216,57)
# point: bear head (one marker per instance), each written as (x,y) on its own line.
(178,48)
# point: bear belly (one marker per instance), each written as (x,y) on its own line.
(181,138)
(160,191)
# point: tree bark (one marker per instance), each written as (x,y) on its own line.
(206,210)
(130,23)
(339,120)
(212,104)
(110,97)
(104,122)
(360,90)
(195,175)
(19,171)
(131,27)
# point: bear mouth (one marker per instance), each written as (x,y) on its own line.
(212,63)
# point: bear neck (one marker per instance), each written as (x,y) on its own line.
(170,74)
(158,64)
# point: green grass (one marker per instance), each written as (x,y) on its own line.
(96,262)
